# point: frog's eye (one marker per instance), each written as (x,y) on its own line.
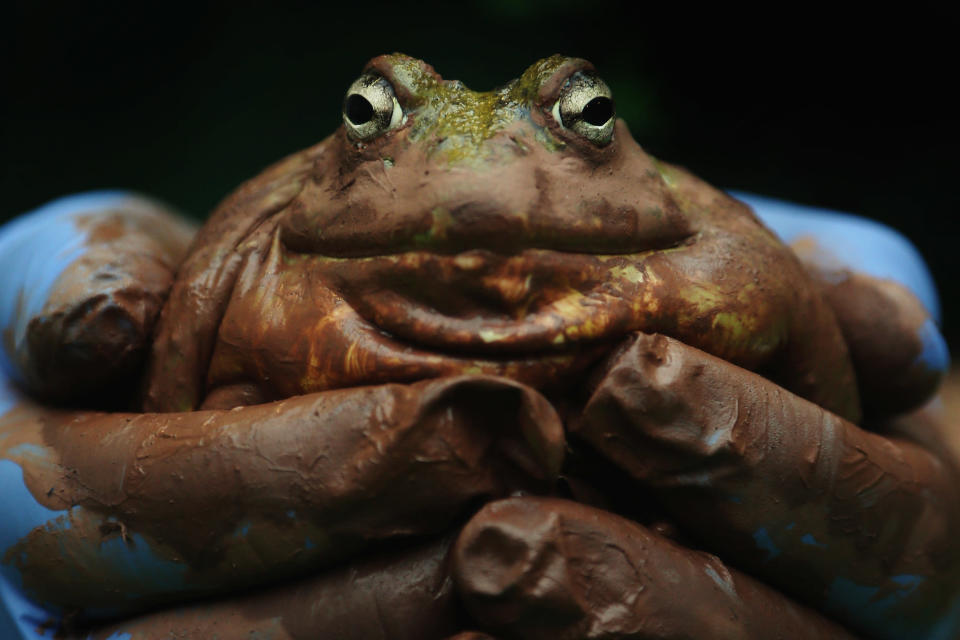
(585,105)
(370,107)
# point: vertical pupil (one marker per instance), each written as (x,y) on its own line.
(358,109)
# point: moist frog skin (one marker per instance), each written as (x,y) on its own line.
(456,298)
(477,232)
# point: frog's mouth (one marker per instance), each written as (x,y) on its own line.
(484,304)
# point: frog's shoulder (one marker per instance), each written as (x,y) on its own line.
(239,225)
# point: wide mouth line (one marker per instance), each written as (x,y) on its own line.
(500,246)
(569,348)
(455,252)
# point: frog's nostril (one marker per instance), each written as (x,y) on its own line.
(598,111)
(358,109)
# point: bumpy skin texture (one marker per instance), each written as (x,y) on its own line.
(369,339)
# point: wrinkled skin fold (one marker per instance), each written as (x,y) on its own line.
(371,341)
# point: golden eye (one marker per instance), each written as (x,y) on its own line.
(370,108)
(585,106)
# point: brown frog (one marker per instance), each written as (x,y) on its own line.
(434,307)
(519,232)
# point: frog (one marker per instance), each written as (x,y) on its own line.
(320,357)
(538,240)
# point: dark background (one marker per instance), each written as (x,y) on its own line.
(821,106)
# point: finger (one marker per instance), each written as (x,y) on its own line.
(160,506)
(404,595)
(547,568)
(85,278)
(853,522)
(899,354)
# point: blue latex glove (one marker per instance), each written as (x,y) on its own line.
(35,251)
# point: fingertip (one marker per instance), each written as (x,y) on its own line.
(510,569)
(496,550)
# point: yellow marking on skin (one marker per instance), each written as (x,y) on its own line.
(569,306)
(334,316)
(732,324)
(353,364)
(468,263)
(629,273)
(704,297)
(559,339)
(492,335)
(315,378)
(666,173)
(524,217)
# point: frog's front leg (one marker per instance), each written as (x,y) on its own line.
(84,279)
(128,511)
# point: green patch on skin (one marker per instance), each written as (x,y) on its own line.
(413,74)
(705,299)
(460,120)
(442,220)
(743,331)
(733,325)
(423,240)
(629,273)
(667,173)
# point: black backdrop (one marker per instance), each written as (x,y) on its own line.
(815,104)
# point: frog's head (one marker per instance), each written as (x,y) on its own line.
(518,232)
(425,164)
